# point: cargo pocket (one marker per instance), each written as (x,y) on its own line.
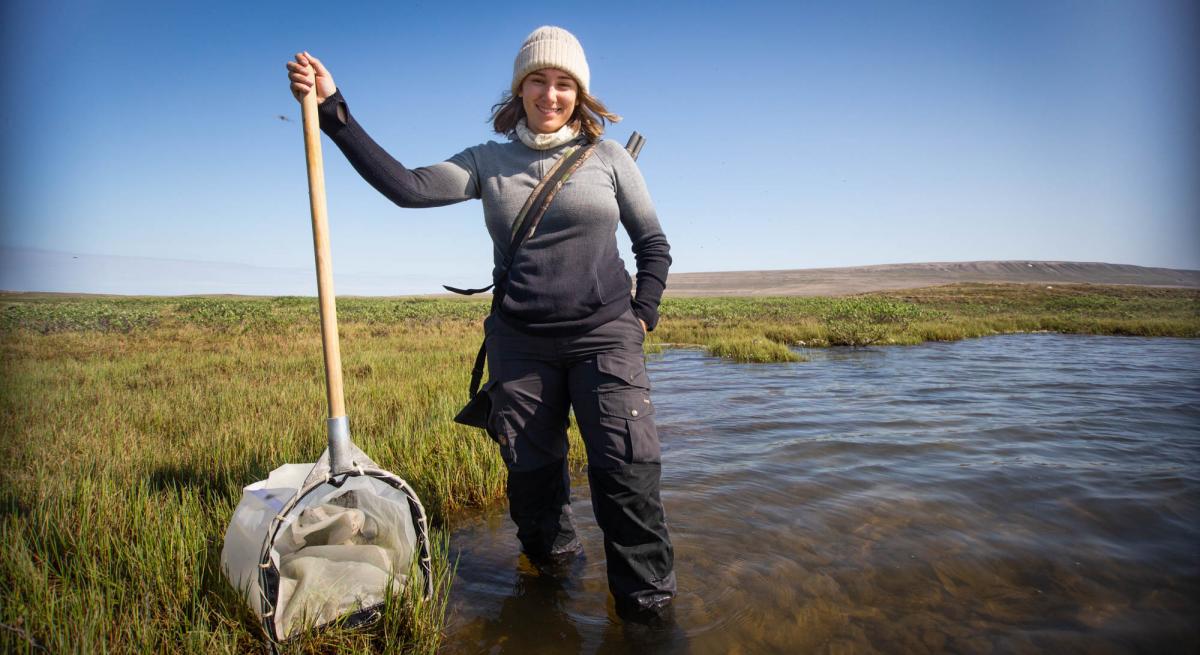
(502,430)
(628,415)
(529,437)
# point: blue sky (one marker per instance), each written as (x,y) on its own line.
(143,140)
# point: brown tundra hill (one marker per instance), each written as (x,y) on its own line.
(884,277)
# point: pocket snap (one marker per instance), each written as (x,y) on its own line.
(631,404)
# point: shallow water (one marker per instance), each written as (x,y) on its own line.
(1024,493)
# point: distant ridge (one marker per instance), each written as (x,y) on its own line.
(861,279)
(24,271)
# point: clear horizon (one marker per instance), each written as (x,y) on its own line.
(239,278)
(779,136)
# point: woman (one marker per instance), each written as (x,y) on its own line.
(567,333)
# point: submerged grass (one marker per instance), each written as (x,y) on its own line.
(131,424)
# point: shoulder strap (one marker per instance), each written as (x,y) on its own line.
(536,205)
(527,221)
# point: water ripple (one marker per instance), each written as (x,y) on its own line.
(1024,493)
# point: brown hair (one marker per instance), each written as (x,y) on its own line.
(588,119)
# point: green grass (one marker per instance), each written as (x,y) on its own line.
(944,313)
(756,350)
(130,426)
(145,437)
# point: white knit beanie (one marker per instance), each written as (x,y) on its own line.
(550,47)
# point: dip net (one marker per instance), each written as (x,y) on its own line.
(307,548)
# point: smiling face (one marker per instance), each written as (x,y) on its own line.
(548,96)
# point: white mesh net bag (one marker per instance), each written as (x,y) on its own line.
(307,547)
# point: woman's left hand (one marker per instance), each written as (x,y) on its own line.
(643,325)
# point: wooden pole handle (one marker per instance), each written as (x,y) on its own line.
(320,226)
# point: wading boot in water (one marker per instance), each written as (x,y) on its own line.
(653,610)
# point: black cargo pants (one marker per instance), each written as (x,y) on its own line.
(532,382)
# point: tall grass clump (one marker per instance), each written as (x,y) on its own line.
(759,350)
(865,321)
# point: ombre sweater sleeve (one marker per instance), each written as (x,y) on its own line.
(651,252)
(448,182)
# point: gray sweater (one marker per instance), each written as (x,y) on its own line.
(568,277)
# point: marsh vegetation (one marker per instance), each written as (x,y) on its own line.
(130,426)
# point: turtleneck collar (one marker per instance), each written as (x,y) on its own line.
(565,134)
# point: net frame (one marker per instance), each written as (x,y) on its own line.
(269,575)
